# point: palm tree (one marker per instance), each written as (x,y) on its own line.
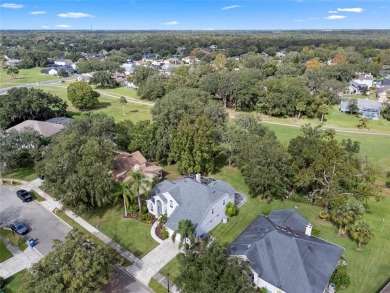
(138,181)
(347,213)
(323,110)
(128,195)
(362,232)
(186,230)
(123,101)
(300,107)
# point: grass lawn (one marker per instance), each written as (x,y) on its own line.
(36,196)
(9,235)
(110,105)
(31,75)
(131,234)
(335,119)
(15,282)
(157,287)
(121,91)
(172,268)
(24,173)
(4,252)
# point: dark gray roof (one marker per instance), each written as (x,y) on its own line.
(294,262)
(289,219)
(362,104)
(60,120)
(222,186)
(193,198)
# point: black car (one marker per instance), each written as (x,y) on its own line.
(24,195)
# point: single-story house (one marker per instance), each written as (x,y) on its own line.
(129,68)
(86,77)
(126,163)
(150,57)
(51,71)
(45,129)
(368,108)
(284,256)
(202,201)
(382,93)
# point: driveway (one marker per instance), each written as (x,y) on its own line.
(43,226)
(122,282)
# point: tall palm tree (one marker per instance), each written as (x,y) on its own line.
(362,232)
(300,107)
(186,230)
(138,181)
(128,195)
(123,101)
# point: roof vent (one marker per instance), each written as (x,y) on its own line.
(198,178)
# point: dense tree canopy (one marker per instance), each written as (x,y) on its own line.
(213,270)
(20,104)
(82,96)
(76,265)
(78,163)
(103,79)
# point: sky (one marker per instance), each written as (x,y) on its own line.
(194,15)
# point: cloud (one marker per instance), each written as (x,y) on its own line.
(357,9)
(11,5)
(332,11)
(74,15)
(37,12)
(332,17)
(298,20)
(63,26)
(171,22)
(230,7)
(45,26)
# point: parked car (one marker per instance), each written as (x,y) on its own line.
(19,228)
(24,195)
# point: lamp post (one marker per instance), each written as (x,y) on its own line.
(168,282)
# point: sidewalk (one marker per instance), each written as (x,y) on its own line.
(21,259)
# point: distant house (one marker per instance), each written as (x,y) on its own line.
(46,129)
(150,57)
(126,163)
(86,77)
(382,93)
(63,62)
(129,67)
(361,84)
(190,60)
(284,256)
(60,120)
(51,71)
(368,108)
(168,68)
(202,201)
(56,69)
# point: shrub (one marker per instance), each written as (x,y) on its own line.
(144,209)
(164,234)
(17,240)
(298,198)
(315,232)
(163,219)
(324,215)
(230,209)
(2,283)
(340,278)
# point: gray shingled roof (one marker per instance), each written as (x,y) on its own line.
(289,219)
(294,262)
(193,198)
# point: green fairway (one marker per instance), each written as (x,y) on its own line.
(4,252)
(121,91)
(131,234)
(107,104)
(31,75)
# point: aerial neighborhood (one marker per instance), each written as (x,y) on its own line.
(186,161)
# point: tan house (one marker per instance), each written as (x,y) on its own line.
(126,163)
(382,93)
(45,129)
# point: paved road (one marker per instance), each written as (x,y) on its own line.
(28,85)
(122,282)
(44,227)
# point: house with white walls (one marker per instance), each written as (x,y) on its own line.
(284,256)
(201,200)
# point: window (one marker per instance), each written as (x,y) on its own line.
(151,207)
(224,201)
(212,211)
(171,203)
